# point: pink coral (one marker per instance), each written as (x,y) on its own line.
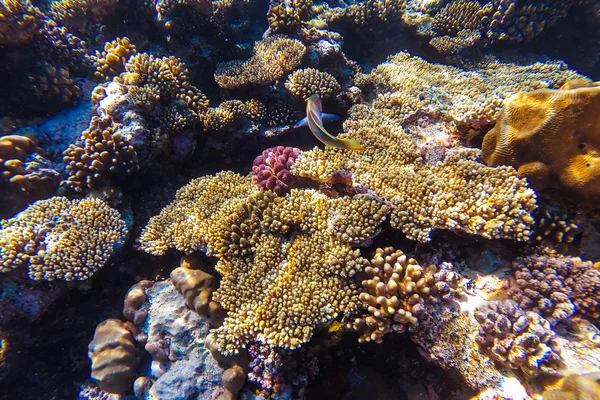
(271,170)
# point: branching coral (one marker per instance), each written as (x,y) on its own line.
(61,47)
(286,262)
(288,16)
(518,339)
(562,126)
(19,22)
(100,154)
(167,10)
(111,61)
(61,239)
(76,13)
(271,169)
(369,13)
(54,86)
(456,16)
(303,83)
(271,59)
(557,287)
(398,291)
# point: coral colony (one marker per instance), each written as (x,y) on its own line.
(300,199)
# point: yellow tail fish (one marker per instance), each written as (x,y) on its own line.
(314,120)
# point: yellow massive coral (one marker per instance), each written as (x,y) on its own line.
(272,58)
(286,262)
(552,137)
(60,238)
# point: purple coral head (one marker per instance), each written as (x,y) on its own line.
(271,170)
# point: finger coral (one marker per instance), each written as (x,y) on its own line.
(518,339)
(563,126)
(271,59)
(398,291)
(100,154)
(60,238)
(303,83)
(271,169)
(556,287)
(19,22)
(111,61)
(285,262)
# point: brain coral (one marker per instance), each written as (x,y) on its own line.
(271,59)
(563,126)
(286,262)
(60,238)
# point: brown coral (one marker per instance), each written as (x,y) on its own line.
(111,61)
(19,22)
(303,83)
(76,13)
(398,291)
(562,126)
(166,10)
(288,16)
(54,85)
(369,13)
(457,16)
(61,239)
(271,59)
(518,339)
(112,352)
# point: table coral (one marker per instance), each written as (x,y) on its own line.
(556,287)
(303,83)
(270,170)
(285,262)
(518,339)
(398,291)
(271,59)
(60,238)
(19,22)
(562,125)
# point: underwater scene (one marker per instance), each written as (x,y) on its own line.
(300,199)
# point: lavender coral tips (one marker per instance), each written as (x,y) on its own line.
(271,170)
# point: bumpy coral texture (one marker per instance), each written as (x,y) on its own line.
(19,21)
(518,339)
(368,14)
(557,287)
(271,59)
(53,85)
(62,47)
(398,291)
(288,16)
(563,126)
(60,238)
(458,193)
(111,61)
(271,170)
(303,83)
(286,262)
(168,10)
(100,154)
(76,13)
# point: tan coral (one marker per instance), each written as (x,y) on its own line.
(562,127)
(165,10)
(73,13)
(303,83)
(60,238)
(288,16)
(54,85)
(111,61)
(457,16)
(19,22)
(271,59)
(112,352)
(369,13)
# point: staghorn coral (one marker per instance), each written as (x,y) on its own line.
(285,262)
(303,83)
(518,339)
(286,16)
(270,170)
(112,352)
(19,22)
(398,291)
(271,59)
(562,126)
(458,193)
(112,60)
(101,153)
(60,238)
(556,287)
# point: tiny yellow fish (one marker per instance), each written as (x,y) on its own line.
(314,119)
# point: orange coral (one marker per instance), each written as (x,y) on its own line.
(552,137)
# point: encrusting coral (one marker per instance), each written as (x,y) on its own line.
(398,291)
(271,170)
(271,59)
(518,339)
(562,126)
(60,238)
(557,288)
(303,83)
(19,22)
(286,262)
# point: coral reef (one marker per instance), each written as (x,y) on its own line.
(398,291)
(19,22)
(60,238)
(367,14)
(271,59)
(303,83)
(518,339)
(288,16)
(112,60)
(271,170)
(562,125)
(575,386)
